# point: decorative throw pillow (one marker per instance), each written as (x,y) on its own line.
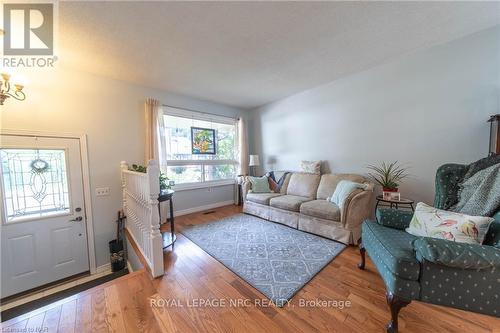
(431,222)
(343,190)
(311,166)
(276,180)
(259,184)
(273,185)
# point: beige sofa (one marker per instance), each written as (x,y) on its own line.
(302,204)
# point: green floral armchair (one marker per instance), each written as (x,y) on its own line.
(463,276)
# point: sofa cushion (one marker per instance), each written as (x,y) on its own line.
(321,209)
(288,202)
(392,247)
(259,184)
(311,166)
(303,185)
(261,198)
(343,190)
(329,182)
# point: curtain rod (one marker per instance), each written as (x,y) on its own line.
(191,110)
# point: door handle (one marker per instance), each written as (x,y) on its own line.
(78,219)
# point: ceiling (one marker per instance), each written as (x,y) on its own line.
(247,54)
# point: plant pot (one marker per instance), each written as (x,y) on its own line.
(385,189)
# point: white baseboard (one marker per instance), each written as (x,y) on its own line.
(129,267)
(202,208)
(103,268)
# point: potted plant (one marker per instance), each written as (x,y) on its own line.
(388,175)
(164,183)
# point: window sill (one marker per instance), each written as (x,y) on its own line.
(195,186)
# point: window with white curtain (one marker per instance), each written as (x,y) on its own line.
(191,170)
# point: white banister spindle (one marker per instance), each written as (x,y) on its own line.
(140,204)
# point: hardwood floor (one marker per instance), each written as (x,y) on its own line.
(125,304)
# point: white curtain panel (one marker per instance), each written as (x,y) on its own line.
(161,140)
(156,143)
(149,107)
(242,147)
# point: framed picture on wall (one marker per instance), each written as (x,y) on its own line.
(203,141)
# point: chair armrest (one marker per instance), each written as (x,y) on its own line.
(357,208)
(459,255)
(394,218)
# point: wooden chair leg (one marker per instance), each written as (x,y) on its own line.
(395,304)
(362,252)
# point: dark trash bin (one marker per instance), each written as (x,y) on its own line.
(117,255)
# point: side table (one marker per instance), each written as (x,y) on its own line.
(240,195)
(168,237)
(395,203)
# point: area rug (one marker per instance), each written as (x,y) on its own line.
(275,259)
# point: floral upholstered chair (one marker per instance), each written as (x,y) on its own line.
(463,276)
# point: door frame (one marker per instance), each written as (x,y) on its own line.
(87,193)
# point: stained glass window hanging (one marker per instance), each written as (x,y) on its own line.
(35,183)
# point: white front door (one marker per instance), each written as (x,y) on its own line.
(42,227)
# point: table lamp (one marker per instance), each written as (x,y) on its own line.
(254,162)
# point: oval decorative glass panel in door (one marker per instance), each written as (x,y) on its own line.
(38,183)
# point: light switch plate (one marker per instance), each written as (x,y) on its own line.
(102,191)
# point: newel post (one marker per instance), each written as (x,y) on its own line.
(153,172)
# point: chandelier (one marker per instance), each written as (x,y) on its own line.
(7,91)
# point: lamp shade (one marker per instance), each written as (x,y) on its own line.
(254,160)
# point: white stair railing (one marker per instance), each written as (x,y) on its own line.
(140,204)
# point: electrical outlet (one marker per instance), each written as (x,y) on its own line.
(102,191)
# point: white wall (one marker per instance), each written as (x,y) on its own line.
(110,112)
(423,110)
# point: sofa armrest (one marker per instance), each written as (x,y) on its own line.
(394,218)
(246,186)
(459,255)
(357,208)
